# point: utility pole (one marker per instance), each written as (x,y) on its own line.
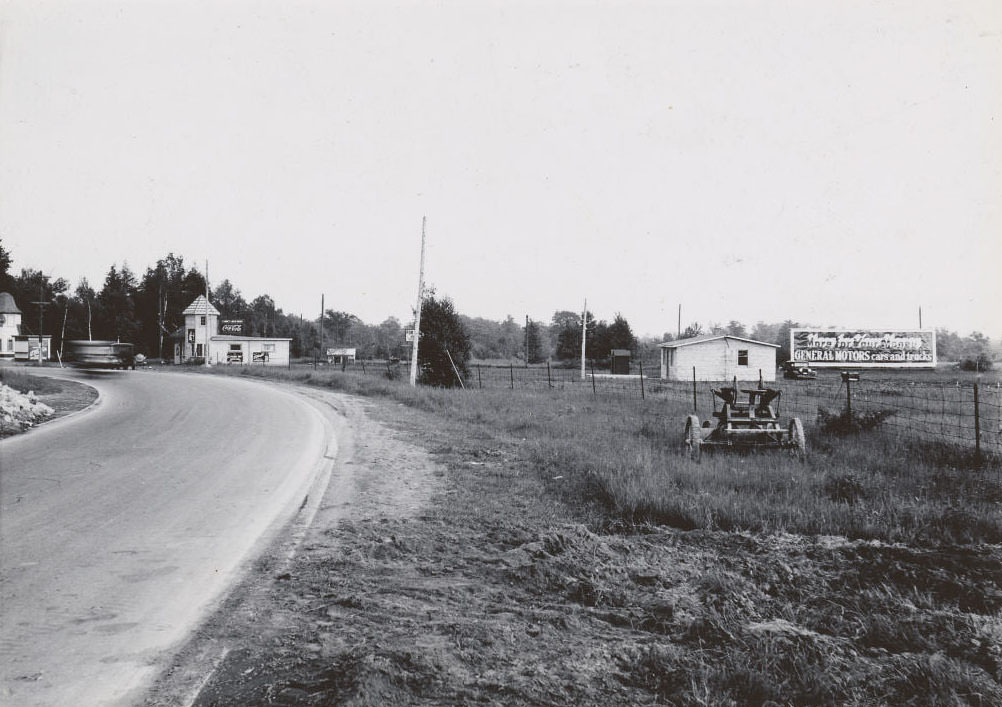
(679,335)
(62,334)
(322,356)
(584,333)
(526,340)
(417,314)
(920,316)
(207,364)
(160,320)
(41,309)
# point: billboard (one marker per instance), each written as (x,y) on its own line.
(234,327)
(864,348)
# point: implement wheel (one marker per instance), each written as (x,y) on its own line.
(797,439)
(693,437)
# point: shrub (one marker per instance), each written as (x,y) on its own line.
(842,424)
(844,488)
(982,361)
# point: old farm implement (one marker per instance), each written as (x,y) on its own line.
(745,424)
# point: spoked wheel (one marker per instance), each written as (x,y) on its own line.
(693,437)
(797,439)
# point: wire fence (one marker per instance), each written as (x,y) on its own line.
(967,414)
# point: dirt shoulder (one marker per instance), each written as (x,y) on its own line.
(439,570)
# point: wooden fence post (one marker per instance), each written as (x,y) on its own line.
(977,425)
(694,389)
(643,396)
(593,390)
(479,379)
(549,381)
(511,372)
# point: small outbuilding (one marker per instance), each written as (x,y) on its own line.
(720,357)
(619,362)
(341,356)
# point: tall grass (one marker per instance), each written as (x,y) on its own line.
(627,461)
(24,382)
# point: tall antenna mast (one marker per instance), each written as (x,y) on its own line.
(584,333)
(417,315)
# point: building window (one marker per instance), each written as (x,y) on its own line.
(235,347)
(201,320)
(198,349)
(742,357)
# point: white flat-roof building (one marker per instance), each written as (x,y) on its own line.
(719,357)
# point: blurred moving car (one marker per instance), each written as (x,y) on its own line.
(102,354)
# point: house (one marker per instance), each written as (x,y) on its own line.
(719,357)
(14,344)
(200,338)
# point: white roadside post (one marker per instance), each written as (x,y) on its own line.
(417,315)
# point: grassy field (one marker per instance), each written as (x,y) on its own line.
(577,556)
(625,463)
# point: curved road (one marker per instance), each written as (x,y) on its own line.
(121,526)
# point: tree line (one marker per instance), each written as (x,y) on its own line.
(146,309)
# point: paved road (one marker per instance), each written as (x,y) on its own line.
(122,526)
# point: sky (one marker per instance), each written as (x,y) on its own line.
(837,163)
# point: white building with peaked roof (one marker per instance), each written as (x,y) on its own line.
(10,324)
(14,342)
(200,338)
(719,357)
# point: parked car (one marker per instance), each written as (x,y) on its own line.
(794,370)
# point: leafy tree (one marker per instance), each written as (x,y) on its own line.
(693,330)
(534,341)
(117,318)
(441,331)
(5,263)
(620,336)
(228,300)
(783,339)
(736,328)
(338,327)
(262,316)
(567,325)
(30,287)
(389,339)
(948,345)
